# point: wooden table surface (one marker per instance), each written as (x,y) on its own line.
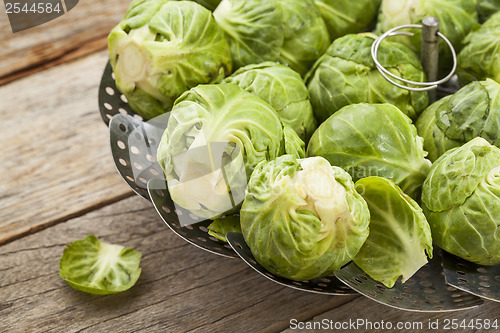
(59,184)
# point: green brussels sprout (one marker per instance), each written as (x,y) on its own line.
(399,236)
(486,8)
(210,4)
(162,48)
(253,28)
(283,89)
(305,35)
(346,74)
(303,219)
(344,17)
(373,140)
(480,58)
(456,18)
(289,31)
(461,200)
(203,118)
(99,268)
(456,119)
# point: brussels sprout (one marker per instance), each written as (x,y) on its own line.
(486,8)
(210,4)
(346,74)
(289,31)
(283,89)
(305,34)
(204,117)
(461,200)
(344,17)
(99,268)
(162,48)
(456,18)
(456,119)
(303,219)
(480,58)
(253,28)
(435,141)
(399,236)
(373,140)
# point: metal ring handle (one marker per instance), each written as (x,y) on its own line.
(385,73)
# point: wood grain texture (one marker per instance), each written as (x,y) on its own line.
(181,288)
(372,312)
(79,32)
(54,148)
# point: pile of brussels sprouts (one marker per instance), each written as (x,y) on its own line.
(323,161)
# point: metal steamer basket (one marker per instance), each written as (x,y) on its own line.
(446,283)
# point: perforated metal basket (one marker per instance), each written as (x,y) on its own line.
(196,234)
(483,281)
(428,290)
(425,291)
(111,100)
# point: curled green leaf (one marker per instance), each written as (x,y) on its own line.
(99,268)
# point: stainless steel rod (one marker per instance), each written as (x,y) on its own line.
(430,51)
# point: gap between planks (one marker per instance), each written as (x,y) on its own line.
(37,228)
(74,53)
(80,32)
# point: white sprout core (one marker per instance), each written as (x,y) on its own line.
(136,65)
(321,193)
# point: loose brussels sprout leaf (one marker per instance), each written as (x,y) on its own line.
(162,48)
(305,34)
(253,28)
(399,236)
(486,8)
(220,227)
(454,120)
(303,219)
(203,177)
(284,90)
(210,4)
(456,18)
(99,268)
(480,58)
(461,200)
(373,140)
(346,74)
(344,17)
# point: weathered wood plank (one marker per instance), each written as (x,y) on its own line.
(182,288)
(80,32)
(54,148)
(371,314)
